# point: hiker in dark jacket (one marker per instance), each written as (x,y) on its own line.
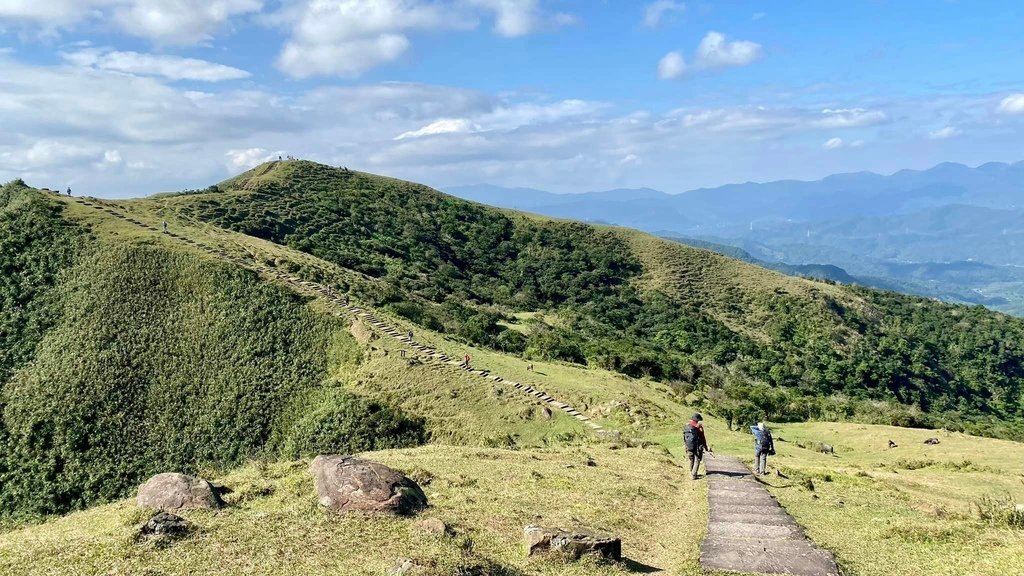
(764,446)
(696,443)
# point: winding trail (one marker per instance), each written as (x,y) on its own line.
(749,531)
(359,313)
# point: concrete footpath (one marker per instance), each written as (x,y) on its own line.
(748,531)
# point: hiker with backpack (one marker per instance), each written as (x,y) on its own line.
(764,446)
(696,443)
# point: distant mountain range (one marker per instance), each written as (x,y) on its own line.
(953,231)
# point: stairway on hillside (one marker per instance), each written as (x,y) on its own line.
(749,531)
(376,323)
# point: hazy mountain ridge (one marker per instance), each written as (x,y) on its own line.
(911,230)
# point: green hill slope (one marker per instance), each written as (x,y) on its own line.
(134,353)
(759,342)
(127,353)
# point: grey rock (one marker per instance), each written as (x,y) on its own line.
(574,544)
(164,528)
(402,566)
(435,527)
(825,448)
(171,492)
(348,484)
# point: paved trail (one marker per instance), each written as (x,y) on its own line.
(748,531)
(365,315)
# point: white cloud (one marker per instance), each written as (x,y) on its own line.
(164,21)
(515,18)
(655,11)
(671,66)
(48,154)
(180,21)
(1012,104)
(833,143)
(443,126)
(944,133)
(714,51)
(241,160)
(850,118)
(49,13)
(349,37)
(72,102)
(170,67)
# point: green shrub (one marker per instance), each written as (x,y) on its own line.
(1000,511)
(345,424)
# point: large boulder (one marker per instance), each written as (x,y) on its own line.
(348,484)
(573,544)
(171,492)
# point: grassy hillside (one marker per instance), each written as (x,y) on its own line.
(751,342)
(128,353)
(906,512)
(150,356)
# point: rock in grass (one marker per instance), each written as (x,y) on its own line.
(826,448)
(349,484)
(435,527)
(574,544)
(164,527)
(402,566)
(171,492)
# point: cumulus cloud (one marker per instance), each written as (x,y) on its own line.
(180,21)
(1012,104)
(349,37)
(170,67)
(944,133)
(671,66)
(714,51)
(514,18)
(164,21)
(833,143)
(657,10)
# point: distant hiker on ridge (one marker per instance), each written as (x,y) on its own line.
(69,190)
(764,446)
(696,443)
(165,226)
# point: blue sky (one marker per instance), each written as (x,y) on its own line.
(129,97)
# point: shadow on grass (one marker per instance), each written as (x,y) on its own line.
(639,567)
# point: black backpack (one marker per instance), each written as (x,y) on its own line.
(766,440)
(690,438)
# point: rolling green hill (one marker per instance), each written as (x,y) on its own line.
(129,352)
(613,298)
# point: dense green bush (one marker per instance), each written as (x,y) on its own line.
(343,424)
(149,360)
